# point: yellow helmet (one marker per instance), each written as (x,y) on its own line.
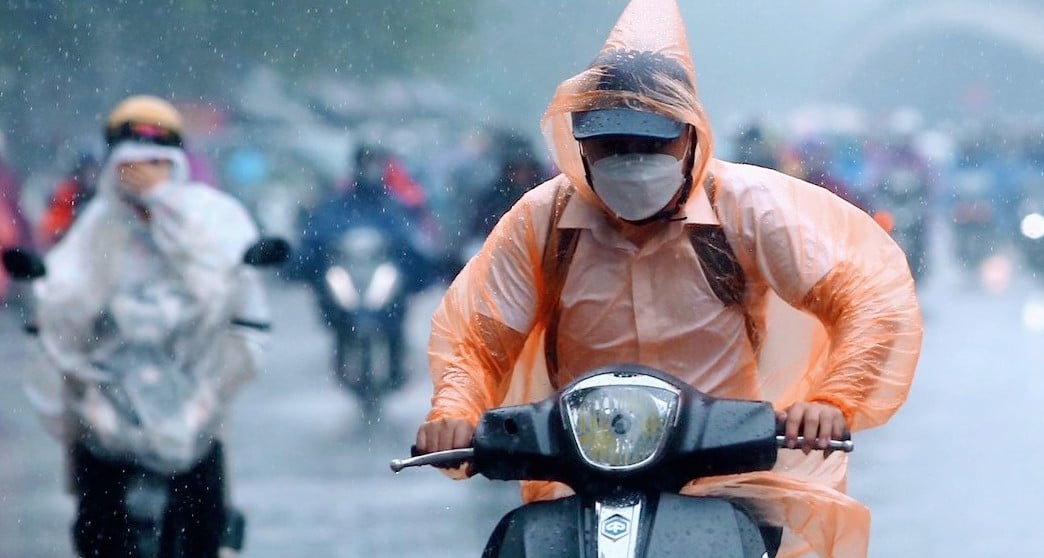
(144,118)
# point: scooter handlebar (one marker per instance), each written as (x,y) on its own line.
(846,446)
(452,458)
(447,458)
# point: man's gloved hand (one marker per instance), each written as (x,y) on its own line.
(818,422)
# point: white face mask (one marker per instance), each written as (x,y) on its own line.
(636,186)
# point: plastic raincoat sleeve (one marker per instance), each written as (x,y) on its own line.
(239,354)
(71,295)
(475,345)
(823,255)
(204,234)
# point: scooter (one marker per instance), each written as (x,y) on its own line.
(363,294)
(141,412)
(626,438)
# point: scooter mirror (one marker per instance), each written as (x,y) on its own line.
(22,264)
(267,251)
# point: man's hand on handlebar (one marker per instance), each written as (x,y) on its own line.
(816,421)
(444,434)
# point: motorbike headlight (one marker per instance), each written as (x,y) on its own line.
(620,422)
(383,285)
(342,287)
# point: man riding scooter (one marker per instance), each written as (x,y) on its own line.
(153,323)
(648,250)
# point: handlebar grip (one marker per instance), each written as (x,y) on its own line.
(445,459)
(846,445)
(781,428)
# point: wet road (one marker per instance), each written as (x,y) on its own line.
(956,473)
(311,475)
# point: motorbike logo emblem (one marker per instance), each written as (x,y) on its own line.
(616,527)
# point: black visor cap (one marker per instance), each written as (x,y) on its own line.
(624,122)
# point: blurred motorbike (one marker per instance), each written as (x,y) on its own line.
(364,302)
(626,438)
(973,218)
(143,404)
(901,200)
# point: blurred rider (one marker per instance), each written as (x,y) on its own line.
(154,262)
(381,195)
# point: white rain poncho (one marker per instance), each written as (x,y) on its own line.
(139,318)
(829,311)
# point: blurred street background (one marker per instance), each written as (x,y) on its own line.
(927,115)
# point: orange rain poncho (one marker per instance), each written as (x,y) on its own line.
(829,312)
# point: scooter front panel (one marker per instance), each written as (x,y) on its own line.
(689,526)
(539,530)
(618,528)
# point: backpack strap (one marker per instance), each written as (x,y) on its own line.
(720,265)
(558,254)
(719,262)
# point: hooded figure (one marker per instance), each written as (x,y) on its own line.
(152,323)
(823,320)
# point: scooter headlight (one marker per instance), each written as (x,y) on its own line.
(342,287)
(384,284)
(620,422)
